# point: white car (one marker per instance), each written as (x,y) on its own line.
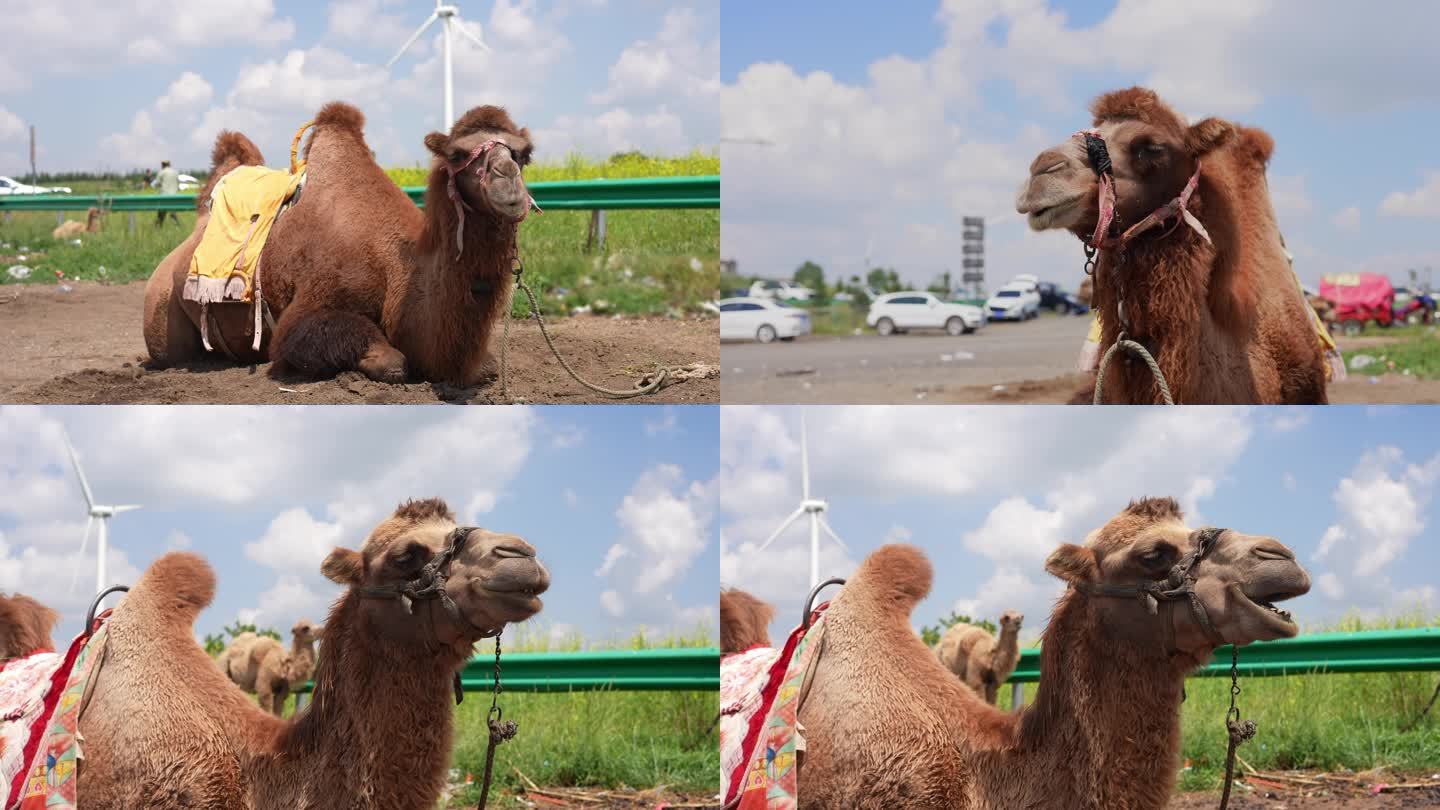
(188,182)
(12,186)
(783,290)
(1016,301)
(901,311)
(762,319)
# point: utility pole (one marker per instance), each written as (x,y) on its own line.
(34,175)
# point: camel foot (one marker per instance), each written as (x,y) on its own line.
(383,364)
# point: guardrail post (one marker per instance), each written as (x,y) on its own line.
(1017,696)
(132,222)
(301,698)
(596,235)
(59,218)
(7,217)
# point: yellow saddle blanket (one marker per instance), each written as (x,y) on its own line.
(243,209)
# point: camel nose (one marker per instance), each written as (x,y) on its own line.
(505,166)
(1048,161)
(1270,549)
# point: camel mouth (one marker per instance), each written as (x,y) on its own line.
(1262,603)
(1058,215)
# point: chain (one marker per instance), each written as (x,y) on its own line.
(1232,714)
(501,730)
(1239,730)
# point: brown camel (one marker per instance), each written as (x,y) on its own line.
(887,726)
(166,729)
(25,626)
(356,275)
(261,666)
(744,621)
(982,661)
(1222,315)
(71,227)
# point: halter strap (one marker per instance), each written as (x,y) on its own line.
(483,171)
(1099,157)
(430,582)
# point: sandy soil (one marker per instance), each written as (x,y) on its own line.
(1271,796)
(85,347)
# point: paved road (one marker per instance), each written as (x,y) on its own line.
(901,368)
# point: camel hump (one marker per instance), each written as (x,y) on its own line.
(231,145)
(342,116)
(179,584)
(897,574)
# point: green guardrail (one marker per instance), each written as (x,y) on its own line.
(662,670)
(556,195)
(1408,650)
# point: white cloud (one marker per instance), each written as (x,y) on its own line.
(613,555)
(288,599)
(1330,585)
(295,541)
(1422,202)
(1347,219)
(898,534)
(666,520)
(664,424)
(178,541)
(187,92)
(567,436)
(678,62)
(1289,196)
(11,127)
(613,604)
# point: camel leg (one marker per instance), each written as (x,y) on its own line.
(992,692)
(170,336)
(325,342)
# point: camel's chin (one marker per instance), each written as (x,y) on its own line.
(1060,216)
(1265,621)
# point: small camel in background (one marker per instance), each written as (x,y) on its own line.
(982,661)
(71,227)
(261,666)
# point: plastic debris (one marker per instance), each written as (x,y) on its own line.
(696,264)
(997,388)
(1360,361)
(18,272)
(580,310)
(76,242)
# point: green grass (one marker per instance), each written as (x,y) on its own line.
(1415,349)
(648,267)
(1323,722)
(594,739)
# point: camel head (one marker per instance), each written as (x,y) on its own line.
(492,180)
(744,621)
(1011,620)
(25,626)
(1153,152)
(1237,580)
(491,579)
(304,631)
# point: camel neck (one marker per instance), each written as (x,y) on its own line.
(370,696)
(1106,713)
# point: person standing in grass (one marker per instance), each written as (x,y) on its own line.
(168,181)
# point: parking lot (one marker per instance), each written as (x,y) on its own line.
(913,367)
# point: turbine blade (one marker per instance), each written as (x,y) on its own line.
(833,536)
(465,32)
(84,540)
(794,516)
(75,462)
(126,507)
(804,462)
(411,40)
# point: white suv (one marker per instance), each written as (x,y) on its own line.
(1017,301)
(901,311)
(780,290)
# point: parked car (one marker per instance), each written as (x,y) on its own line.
(11,186)
(783,290)
(1357,299)
(762,319)
(1054,298)
(188,182)
(1016,301)
(903,311)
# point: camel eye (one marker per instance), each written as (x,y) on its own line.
(1159,555)
(414,556)
(1151,149)
(457,156)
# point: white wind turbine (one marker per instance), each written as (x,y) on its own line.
(97,512)
(814,507)
(447,15)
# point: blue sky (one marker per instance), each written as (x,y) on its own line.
(989,491)
(137,83)
(264,493)
(889,125)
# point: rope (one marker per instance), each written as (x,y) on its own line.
(647,385)
(1123,342)
(1423,712)
(1240,730)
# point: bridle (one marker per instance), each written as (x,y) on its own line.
(1178,585)
(483,172)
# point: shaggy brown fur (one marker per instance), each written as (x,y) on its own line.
(1104,730)
(166,729)
(357,276)
(744,621)
(1226,322)
(982,661)
(25,626)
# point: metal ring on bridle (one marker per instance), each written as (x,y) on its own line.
(810,600)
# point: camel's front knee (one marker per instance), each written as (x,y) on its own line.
(383,363)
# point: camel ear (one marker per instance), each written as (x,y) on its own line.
(1073,563)
(436,143)
(1209,135)
(343,566)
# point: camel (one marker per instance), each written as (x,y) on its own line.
(356,276)
(71,227)
(25,627)
(744,621)
(1211,296)
(260,666)
(980,660)
(166,729)
(888,726)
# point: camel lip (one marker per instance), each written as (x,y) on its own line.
(1263,604)
(1046,216)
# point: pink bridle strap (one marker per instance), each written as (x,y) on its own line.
(461,206)
(1176,207)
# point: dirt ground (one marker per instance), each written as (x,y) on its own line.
(1356,389)
(85,347)
(1418,790)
